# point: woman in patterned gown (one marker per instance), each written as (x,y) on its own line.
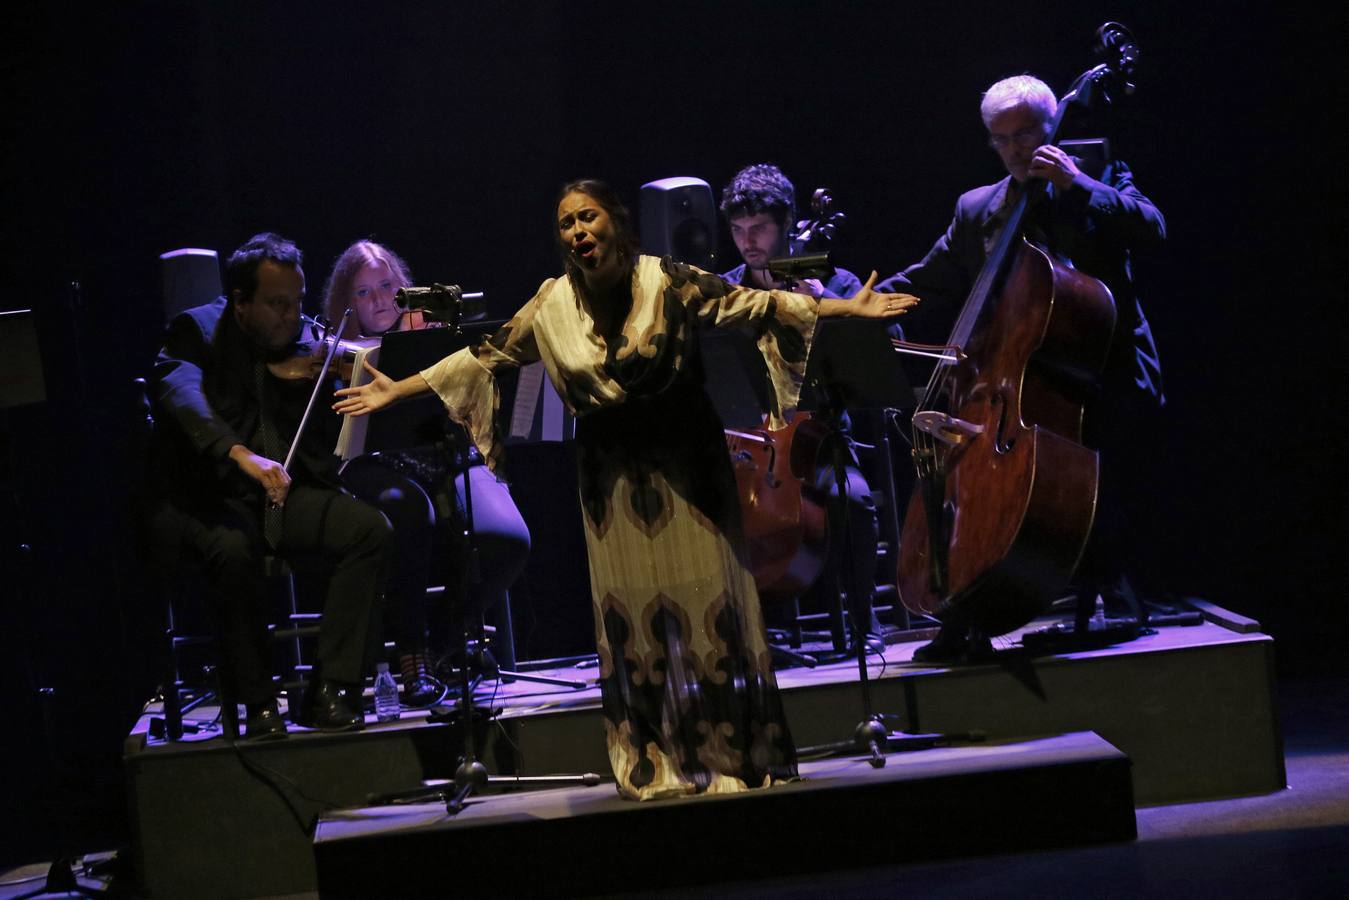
(690,701)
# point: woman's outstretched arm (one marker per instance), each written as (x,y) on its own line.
(379,392)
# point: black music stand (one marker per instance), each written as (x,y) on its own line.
(412,423)
(854,366)
(736,377)
(23,385)
(422,421)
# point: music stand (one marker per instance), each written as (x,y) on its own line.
(736,377)
(853,365)
(422,421)
(23,383)
(418,422)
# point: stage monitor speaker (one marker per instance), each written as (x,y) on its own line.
(679,219)
(191,278)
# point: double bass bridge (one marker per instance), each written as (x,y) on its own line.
(946,428)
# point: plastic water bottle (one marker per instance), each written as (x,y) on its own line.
(386,694)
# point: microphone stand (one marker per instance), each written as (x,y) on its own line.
(471,775)
(852,365)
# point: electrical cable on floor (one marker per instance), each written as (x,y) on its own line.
(881,654)
(496,720)
(270,777)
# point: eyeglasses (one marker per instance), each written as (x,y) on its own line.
(1026,138)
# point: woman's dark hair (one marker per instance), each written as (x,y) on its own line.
(625,235)
(241,269)
(338,294)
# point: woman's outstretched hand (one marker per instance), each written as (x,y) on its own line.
(375,394)
(868,304)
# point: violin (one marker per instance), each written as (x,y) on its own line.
(312,350)
(313,359)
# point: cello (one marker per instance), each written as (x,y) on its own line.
(1006,491)
(786,528)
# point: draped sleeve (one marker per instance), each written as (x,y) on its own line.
(783,324)
(466,381)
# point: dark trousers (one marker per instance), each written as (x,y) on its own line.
(1123,427)
(851,562)
(500,533)
(501,536)
(226,538)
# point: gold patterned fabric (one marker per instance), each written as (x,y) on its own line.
(690,700)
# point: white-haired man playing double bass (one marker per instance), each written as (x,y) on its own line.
(1092,216)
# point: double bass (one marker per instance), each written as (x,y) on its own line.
(1006,491)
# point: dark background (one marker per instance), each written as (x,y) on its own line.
(444,130)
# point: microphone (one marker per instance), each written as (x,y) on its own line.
(443,302)
(796,268)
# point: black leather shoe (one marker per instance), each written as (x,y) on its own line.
(955,644)
(325,707)
(423,691)
(264,722)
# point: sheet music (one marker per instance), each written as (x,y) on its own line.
(351,439)
(527,389)
(553,415)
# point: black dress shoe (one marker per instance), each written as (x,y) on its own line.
(264,722)
(955,644)
(423,691)
(325,707)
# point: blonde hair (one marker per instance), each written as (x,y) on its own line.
(338,293)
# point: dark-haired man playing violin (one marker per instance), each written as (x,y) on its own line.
(1093,223)
(224,424)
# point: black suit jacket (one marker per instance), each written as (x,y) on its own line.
(206,401)
(1093,225)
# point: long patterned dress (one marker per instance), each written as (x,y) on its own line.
(690,700)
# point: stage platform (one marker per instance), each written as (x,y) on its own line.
(1191,707)
(1006,797)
